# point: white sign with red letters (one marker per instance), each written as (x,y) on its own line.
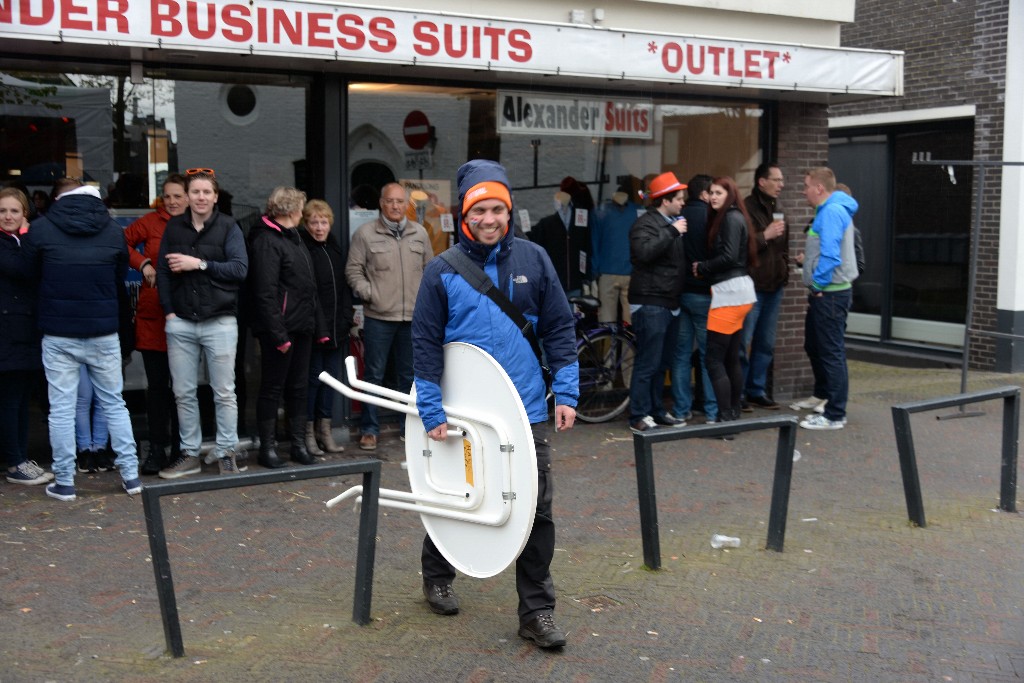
(345,32)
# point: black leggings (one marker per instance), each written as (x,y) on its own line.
(284,374)
(160,407)
(723,361)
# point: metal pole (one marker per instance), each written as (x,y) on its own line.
(367,548)
(647,502)
(1011,432)
(972,275)
(780,487)
(162,571)
(908,465)
(972,278)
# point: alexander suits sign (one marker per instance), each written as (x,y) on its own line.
(351,33)
(610,117)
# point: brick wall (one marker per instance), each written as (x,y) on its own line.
(803,143)
(955,55)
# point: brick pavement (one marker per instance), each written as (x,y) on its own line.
(264,576)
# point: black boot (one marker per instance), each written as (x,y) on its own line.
(268,456)
(299,452)
(155,461)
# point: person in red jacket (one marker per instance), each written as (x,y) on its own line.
(150,339)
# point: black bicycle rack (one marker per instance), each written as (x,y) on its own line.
(367,543)
(643,452)
(908,456)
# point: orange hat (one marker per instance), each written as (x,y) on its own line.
(664,184)
(488,189)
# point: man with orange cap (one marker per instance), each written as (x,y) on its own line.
(449,309)
(659,265)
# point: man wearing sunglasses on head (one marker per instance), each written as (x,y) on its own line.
(202,266)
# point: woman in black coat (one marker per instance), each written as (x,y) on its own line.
(335,301)
(20,350)
(285,318)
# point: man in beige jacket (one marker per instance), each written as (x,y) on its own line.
(384,268)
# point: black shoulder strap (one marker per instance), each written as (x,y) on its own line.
(479,281)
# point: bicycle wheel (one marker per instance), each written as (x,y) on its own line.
(606,367)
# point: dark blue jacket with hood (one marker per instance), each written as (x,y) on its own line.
(80,256)
(448,309)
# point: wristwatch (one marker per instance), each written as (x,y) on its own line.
(202,265)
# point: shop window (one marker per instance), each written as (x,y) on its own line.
(125,138)
(916,242)
(544,140)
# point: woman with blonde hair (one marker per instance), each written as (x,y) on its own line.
(335,302)
(285,318)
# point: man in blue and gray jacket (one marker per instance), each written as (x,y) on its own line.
(830,267)
(448,309)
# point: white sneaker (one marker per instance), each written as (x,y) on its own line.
(29,473)
(821,422)
(813,403)
(643,424)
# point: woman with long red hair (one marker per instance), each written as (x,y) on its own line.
(732,251)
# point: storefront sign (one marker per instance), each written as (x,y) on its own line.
(612,117)
(323,31)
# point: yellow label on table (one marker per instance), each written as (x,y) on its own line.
(467,456)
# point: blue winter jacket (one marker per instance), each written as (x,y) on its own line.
(79,254)
(449,310)
(830,263)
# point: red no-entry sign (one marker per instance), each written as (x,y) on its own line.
(416,129)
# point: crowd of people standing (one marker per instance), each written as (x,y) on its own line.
(62,279)
(709,269)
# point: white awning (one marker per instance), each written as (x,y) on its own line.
(326,31)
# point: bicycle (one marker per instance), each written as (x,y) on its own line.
(606,353)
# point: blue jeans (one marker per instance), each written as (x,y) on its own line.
(379,338)
(693,323)
(759,336)
(188,342)
(825,344)
(62,360)
(90,423)
(656,331)
(319,396)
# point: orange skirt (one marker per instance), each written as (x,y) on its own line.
(728,319)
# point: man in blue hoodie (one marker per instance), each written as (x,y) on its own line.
(79,254)
(448,309)
(830,267)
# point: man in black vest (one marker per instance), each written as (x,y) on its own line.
(203,263)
